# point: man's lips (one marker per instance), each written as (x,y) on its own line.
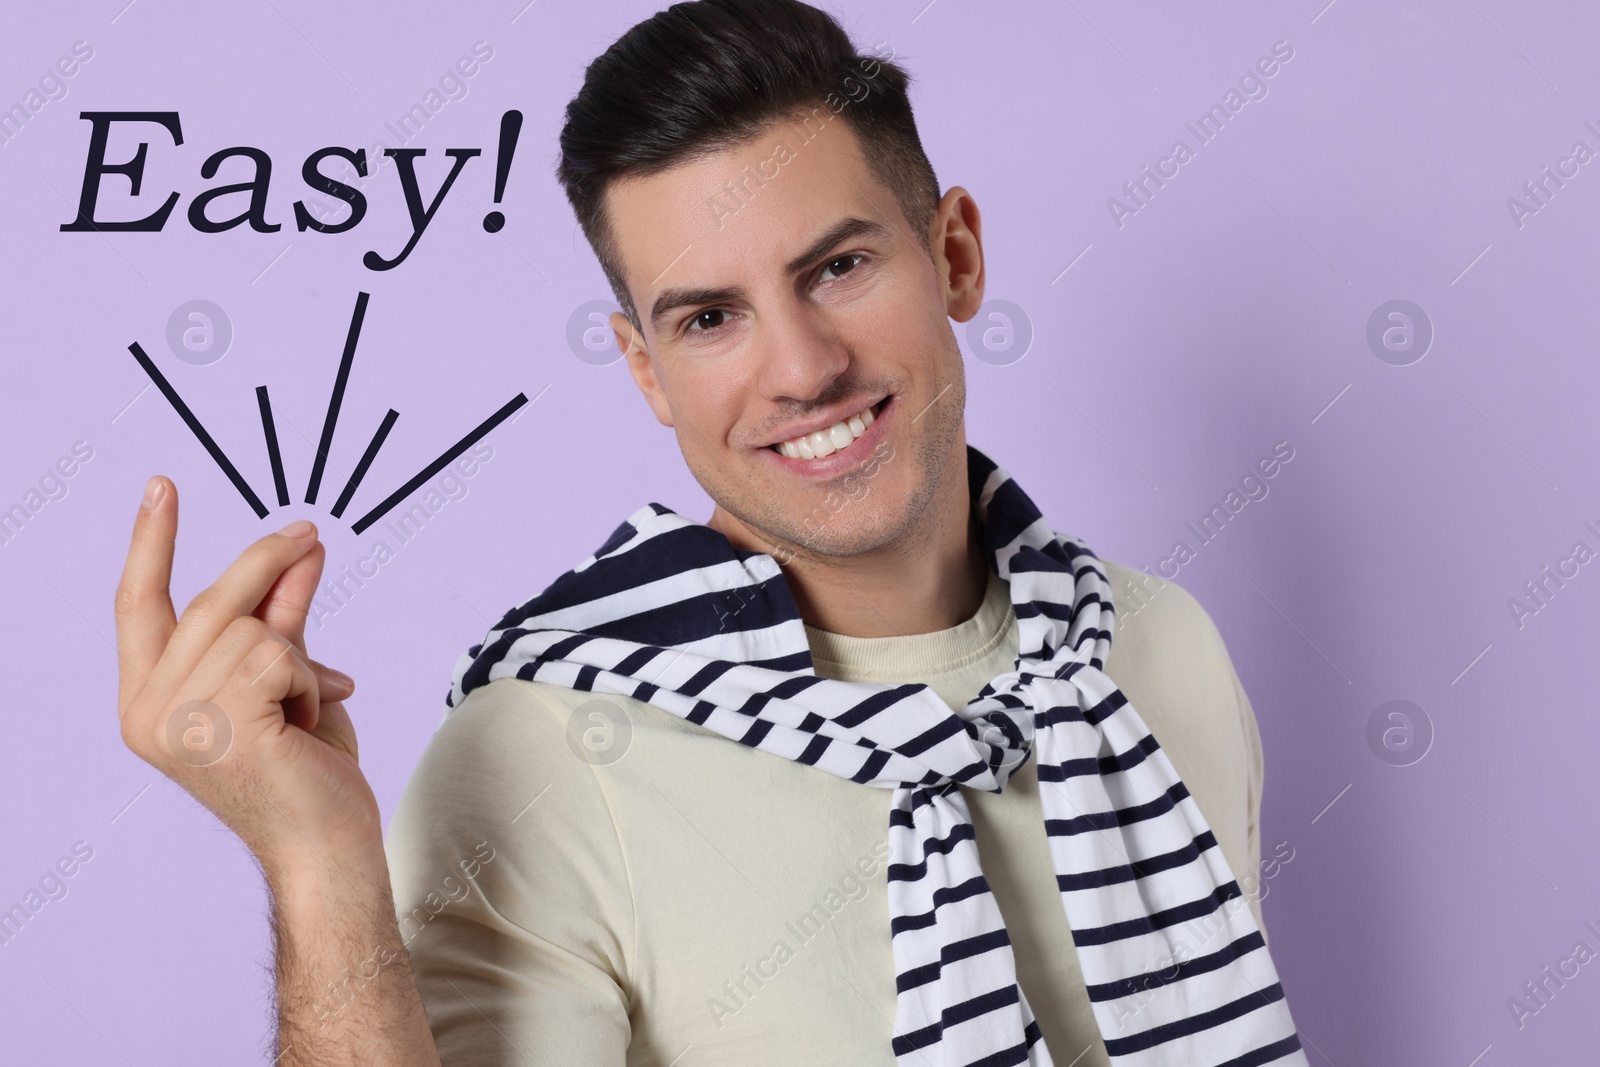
(824,421)
(840,459)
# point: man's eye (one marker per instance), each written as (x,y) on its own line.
(708,320)
(839,265)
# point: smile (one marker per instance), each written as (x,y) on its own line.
(823,443)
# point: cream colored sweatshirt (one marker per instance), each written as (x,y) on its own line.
(630,888)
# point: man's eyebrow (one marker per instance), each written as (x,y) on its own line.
(843,230)
(672,299)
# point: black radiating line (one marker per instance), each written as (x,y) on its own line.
(199,431)
(271,431)
(439,464)
(337,398)
(366,461)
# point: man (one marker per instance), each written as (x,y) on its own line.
(585,868)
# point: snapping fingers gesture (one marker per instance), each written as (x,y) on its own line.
(225,700)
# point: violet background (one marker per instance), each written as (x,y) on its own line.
(1228,314)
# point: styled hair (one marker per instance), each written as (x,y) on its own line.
(705,76)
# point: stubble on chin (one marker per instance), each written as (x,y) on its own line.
(880,518)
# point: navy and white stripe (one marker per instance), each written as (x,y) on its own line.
(669,612)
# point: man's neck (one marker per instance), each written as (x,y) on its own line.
(933,579)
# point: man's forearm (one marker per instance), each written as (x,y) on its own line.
(346,993)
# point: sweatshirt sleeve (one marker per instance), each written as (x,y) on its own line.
(509,882)
(1173,664)
(1252,738)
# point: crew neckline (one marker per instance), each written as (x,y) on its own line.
(884,659)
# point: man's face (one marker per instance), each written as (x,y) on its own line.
(785,299)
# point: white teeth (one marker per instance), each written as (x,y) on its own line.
(826,442)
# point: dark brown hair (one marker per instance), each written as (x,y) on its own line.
(702,77)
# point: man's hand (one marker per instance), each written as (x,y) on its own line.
(226,702)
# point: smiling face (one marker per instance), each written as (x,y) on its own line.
(796,337)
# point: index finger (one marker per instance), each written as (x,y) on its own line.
(143,606)
(238,591)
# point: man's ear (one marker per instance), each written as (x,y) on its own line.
(955,237)
(631,345)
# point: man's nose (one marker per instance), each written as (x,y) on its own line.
(800,355)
